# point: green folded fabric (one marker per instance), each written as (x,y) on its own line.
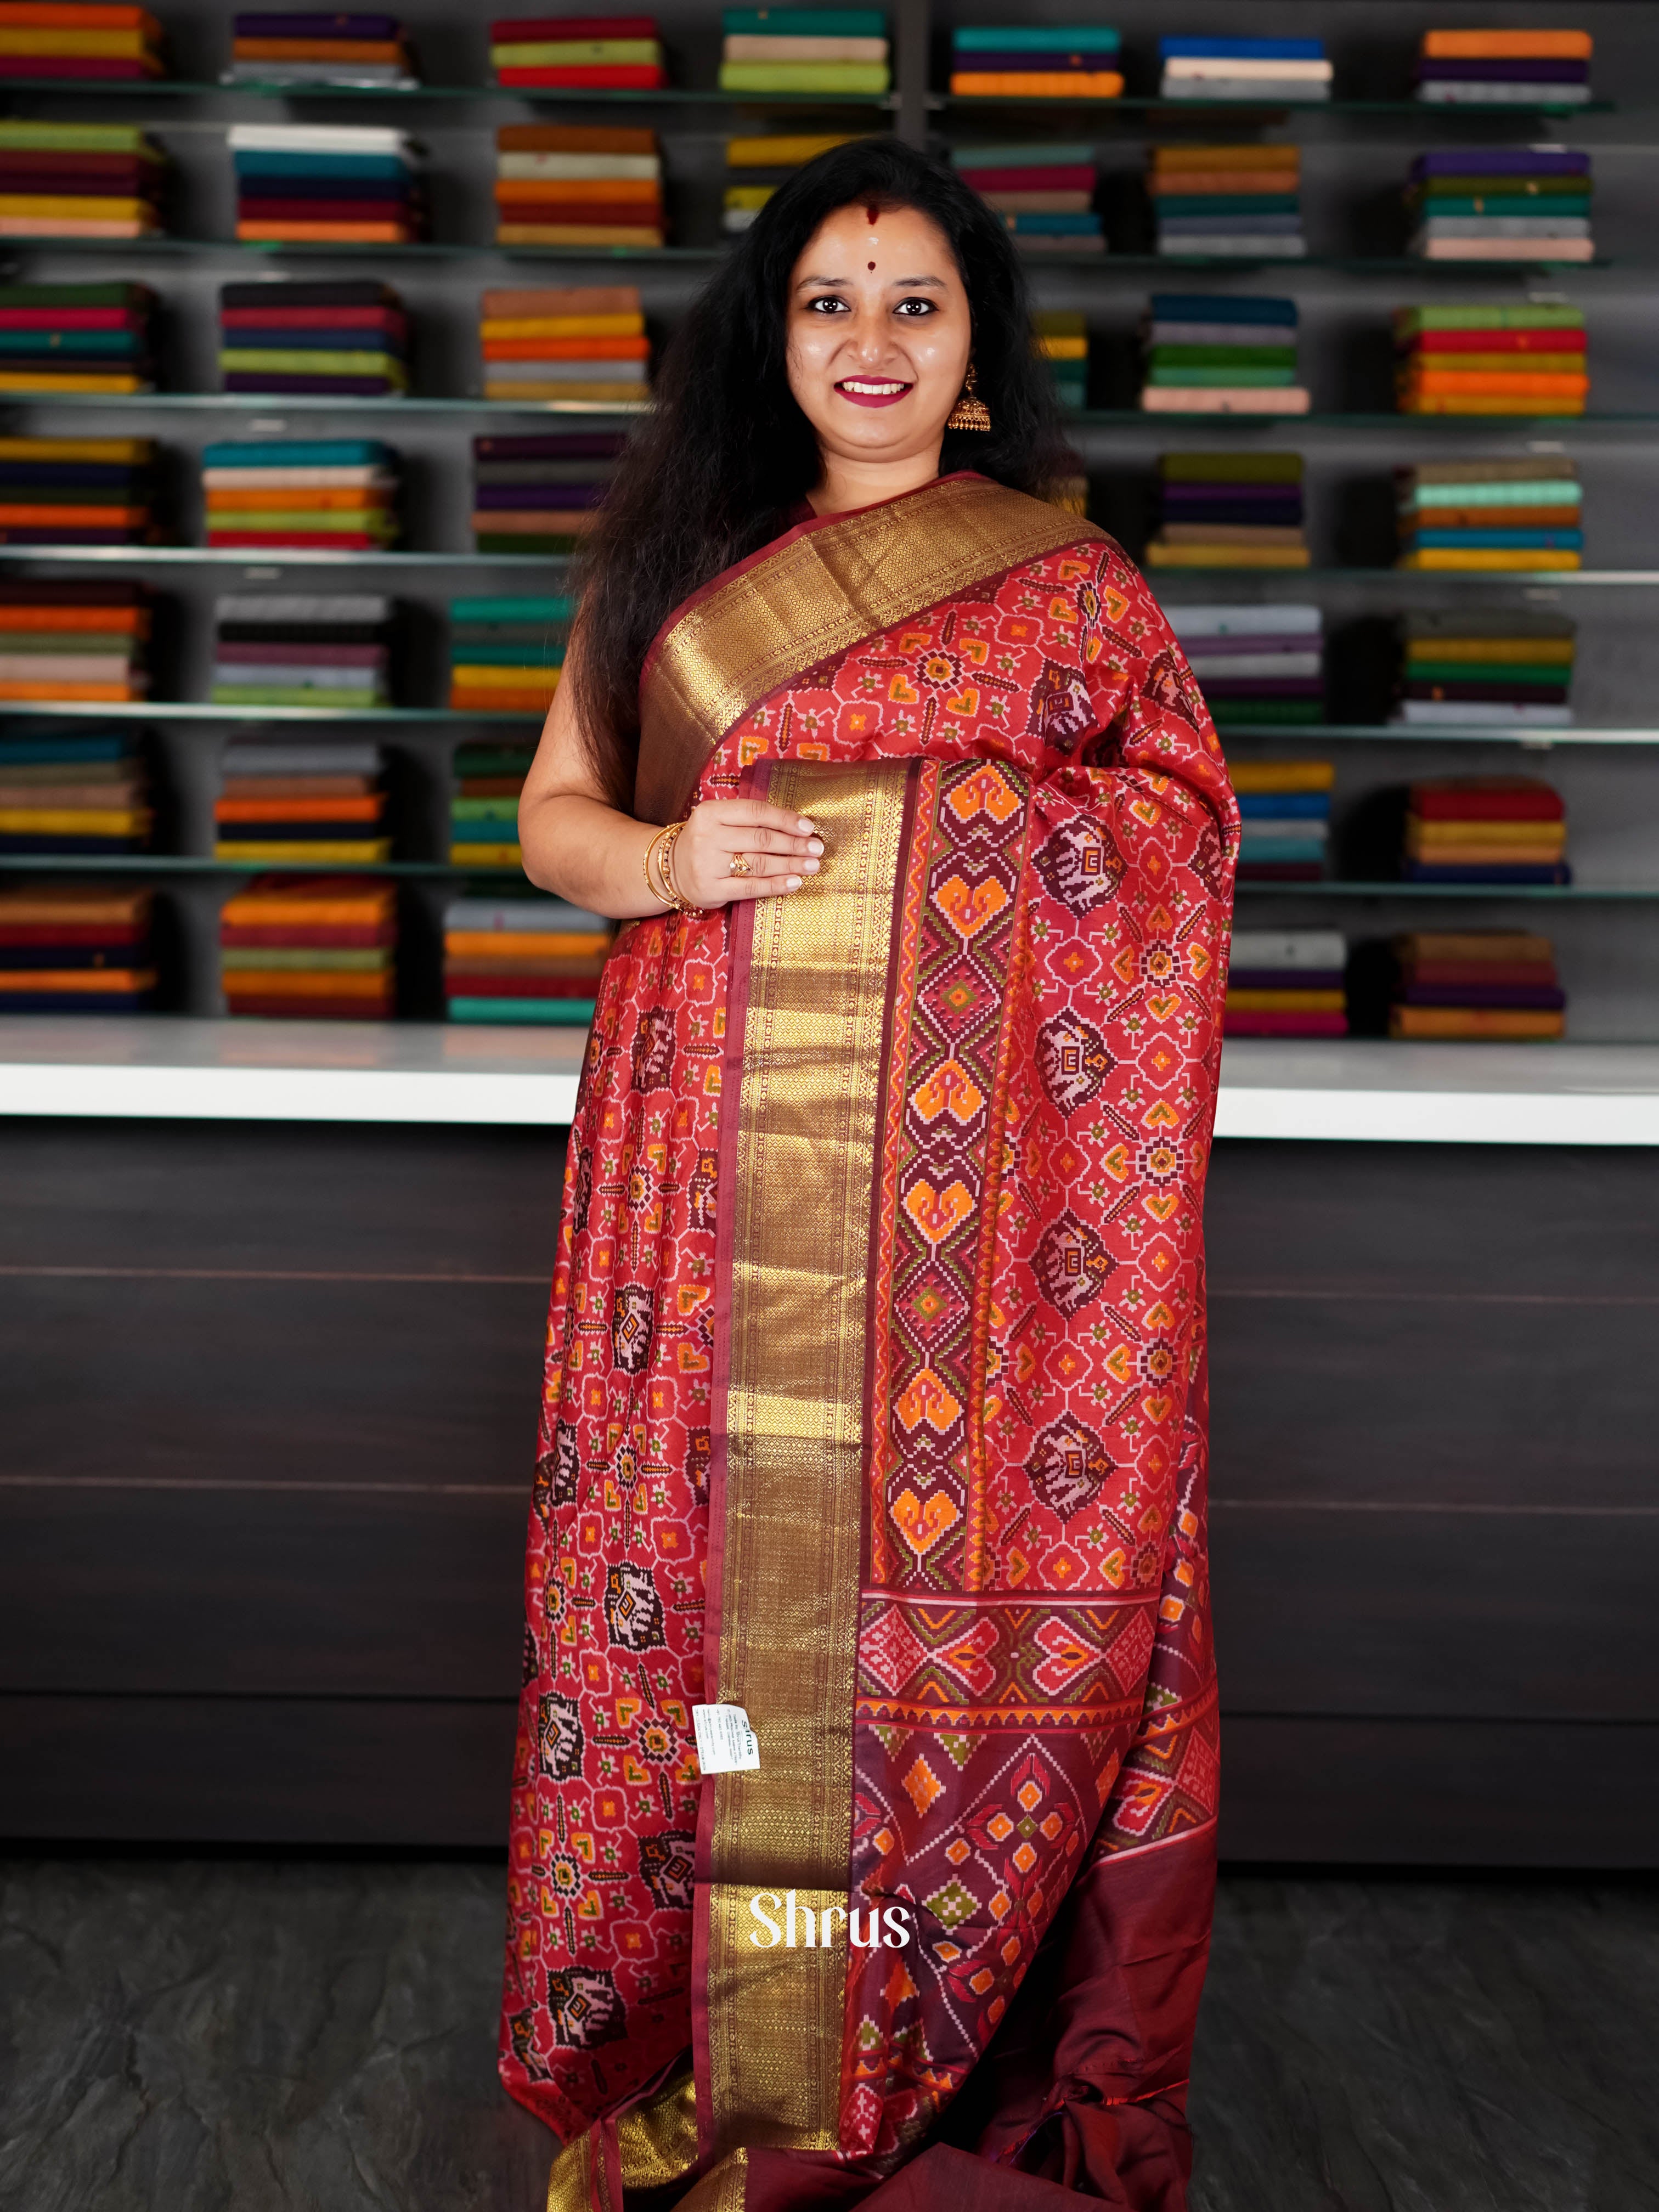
(311,364)
(1221,356)
(1198,380)
(804,76)
(563,1013)
(273,695)
(508,655)
(1230,468)
(353,959)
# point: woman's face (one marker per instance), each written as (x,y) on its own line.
(879,334)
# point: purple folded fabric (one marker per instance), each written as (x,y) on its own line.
(1285,979)
(1234,494)
(551,446)
(1205,648)
(1428,872)
(299,387)
(317,26)
(1261,687)
(1501,161)
(1516,72)
(535,496)
(1548,996)
(300,656)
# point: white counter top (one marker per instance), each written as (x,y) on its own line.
(164,1067)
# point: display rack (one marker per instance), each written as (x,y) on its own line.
(1353,146)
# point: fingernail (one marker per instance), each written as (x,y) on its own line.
(815,844)
(812,867)
(792,883)
(805,824)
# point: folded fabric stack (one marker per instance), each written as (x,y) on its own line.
(583,342)
(310,948)
(1285,808)
(83,642)
(1264,664)
(1501,204)
(1475,985)
(539,494)
(1496,516)
(560,184)
(1220,355)
(1062,339)
(323,805)
(578,53)
(1486,830)
(523,960)
(1279,70)
(76,948)
(755,168)
(1026,62)
(483,807)
(345,340)
(307,48)
(67,41)
(505,655)
(1242,202)
(84,792)
(1044,194)
(336,495)
(1287,983)
(307,183)
(1504,69)
(75,338)
(1491,361)
(1491,668)
(303,651)
(805,50)
(80,180)
(78,491)
(1229,511)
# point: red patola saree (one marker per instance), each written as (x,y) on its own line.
(875,1404)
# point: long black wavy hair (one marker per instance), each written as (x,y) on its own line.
(725,451)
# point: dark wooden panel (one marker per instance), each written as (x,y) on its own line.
(263,1591)
(1462,1400)
(412,1382)
(433,1774)
(1466,1615)
(271,1195)
(1518,1218)
(1439,1793)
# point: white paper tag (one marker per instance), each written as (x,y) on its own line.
(725,1742)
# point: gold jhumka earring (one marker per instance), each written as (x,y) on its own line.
(970,411)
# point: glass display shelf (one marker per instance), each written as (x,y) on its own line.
(281,403)
(163,245)
(567,95)
(1434,114)
(219,557)
(509,880)
(178,710)
(1348,888)
(1544,579)
(1508,733)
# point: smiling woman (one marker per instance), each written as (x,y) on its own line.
(873,1442)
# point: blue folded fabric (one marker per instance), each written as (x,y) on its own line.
(1227,307)
(1093,39)
(1054,226)
(1284,805)
(67,344)
(1499,541)
(1242,50)
(296,453)
(319,165)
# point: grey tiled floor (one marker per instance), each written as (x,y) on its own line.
(184,2036)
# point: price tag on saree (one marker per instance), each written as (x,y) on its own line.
(725,1742)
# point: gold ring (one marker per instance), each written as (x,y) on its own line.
(741,864)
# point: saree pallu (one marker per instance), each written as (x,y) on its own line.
(875,1404)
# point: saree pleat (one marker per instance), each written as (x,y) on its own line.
(876,1404)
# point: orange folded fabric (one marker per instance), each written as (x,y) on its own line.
(1507,45)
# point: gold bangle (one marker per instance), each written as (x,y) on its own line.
(651,854)
(670,890)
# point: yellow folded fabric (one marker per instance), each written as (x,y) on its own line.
(1286,1002)
(1040,84)
(1497,561)
(1254,777)
(1514,1022)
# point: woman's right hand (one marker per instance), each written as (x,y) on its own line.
(781,848)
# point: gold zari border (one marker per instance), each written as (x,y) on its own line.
(849,579)
(802,1193)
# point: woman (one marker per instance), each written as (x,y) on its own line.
(875,1384)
